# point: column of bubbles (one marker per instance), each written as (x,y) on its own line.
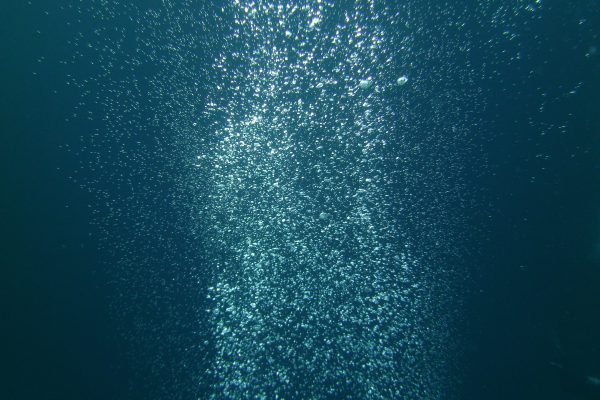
(315,293)
(279,188)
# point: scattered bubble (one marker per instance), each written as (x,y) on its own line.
(402,80)
(365,83)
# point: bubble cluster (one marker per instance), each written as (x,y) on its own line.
(316,293)
(286,208)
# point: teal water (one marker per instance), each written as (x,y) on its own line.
(247,200)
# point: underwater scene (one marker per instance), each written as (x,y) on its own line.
(312,199)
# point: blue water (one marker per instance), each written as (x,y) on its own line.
(241,200)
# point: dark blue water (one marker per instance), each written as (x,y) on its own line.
(537,300)
(107,266)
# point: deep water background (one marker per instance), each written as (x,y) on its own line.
(57,339)
(539,279)
(534,298)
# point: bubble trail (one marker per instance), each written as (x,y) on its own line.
(318,292)
(280,186)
